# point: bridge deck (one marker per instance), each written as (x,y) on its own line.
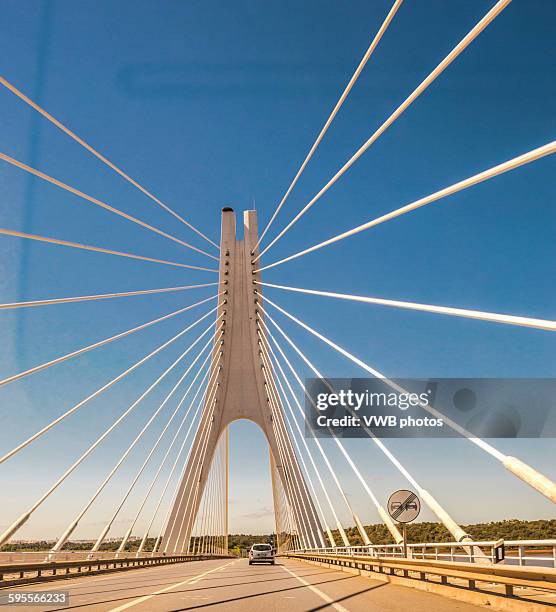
(235,586)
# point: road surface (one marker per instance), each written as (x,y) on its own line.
(234,586)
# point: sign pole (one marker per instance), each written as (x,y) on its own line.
(404,506)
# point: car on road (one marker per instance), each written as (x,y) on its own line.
(261,553)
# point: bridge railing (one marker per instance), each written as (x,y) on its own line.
(478,583)
(26,571)
(534,553)
(76,555)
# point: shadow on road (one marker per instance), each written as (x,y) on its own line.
(340,599)
(212,603)
(162,584)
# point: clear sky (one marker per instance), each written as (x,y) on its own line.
(212,103)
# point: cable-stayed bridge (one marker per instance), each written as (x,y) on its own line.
(238,362)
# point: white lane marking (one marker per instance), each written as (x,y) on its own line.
(318,592)
(90,581)
(192,580)
(57,588)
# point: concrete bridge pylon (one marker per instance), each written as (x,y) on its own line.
(241,391)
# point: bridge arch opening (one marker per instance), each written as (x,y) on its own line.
(250,501)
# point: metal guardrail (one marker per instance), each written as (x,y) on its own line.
(74,555)
(33,571)
(526,583)
(532,553)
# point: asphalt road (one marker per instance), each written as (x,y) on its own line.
(234,586)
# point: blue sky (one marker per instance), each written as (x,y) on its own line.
(215,103)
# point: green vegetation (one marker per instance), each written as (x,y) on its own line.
(111,546)
(240,543)
(512,529)
(237,544)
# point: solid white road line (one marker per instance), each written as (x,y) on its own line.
(318,592)
(191,580)
(89,581)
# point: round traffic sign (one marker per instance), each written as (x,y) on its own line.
(404,506)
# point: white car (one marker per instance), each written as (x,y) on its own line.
(261,553)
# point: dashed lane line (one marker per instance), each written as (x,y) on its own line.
(192,580)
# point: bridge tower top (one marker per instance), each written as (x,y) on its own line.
(241,394)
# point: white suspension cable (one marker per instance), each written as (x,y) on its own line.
(318,514)
(189,525)
(100,296)
(321,514)
(215,514)
(99,391)
(225,452)
(292,482)
(196,479)
(193,518)
(72,526)
(202,517)
(15,526)
(217,545)
(207,512)
(202,427)
(523,471)
(213,509)
(95,345)
(292,502)
(86,247)
(97,202)
(210,517)
(131,486)
(512,164)
(223,507)
(207,393)
(211,503)
(354,515)
(176,461)
(386,519)
(457,532)
(197,528)
(491,450)
(319,446)
(447,310)
(98,155)
(266,350)
(155,478)
(277,499)
(166,454)
(335,110)
(210,514)
(381,511)
(286,461)
(304,441)
(280,512)
(456,51)
(309,453)
(205,429)
(223,490)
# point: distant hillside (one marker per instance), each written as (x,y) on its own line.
(512,529)
(236,544)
